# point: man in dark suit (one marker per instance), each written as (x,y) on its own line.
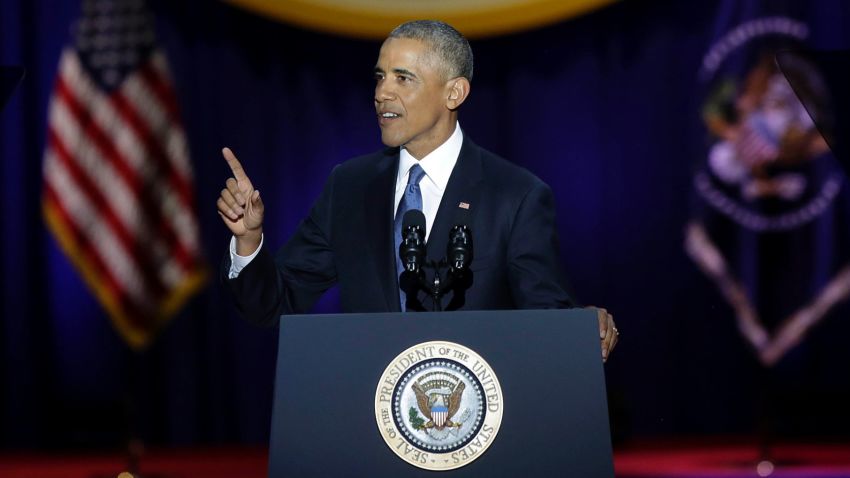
(351,236)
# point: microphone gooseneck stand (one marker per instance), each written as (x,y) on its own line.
(458,276)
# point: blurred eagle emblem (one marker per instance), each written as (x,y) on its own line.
(770,226)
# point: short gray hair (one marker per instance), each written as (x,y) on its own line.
(448,44)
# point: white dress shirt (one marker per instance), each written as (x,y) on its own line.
(438,166)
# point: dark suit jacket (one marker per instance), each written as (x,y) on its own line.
(348,239)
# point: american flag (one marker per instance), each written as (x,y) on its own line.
(118,187)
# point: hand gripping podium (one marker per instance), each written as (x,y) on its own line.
(474,394)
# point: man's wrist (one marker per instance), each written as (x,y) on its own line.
(248,243)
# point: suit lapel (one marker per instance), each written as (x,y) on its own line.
(461,188)
(380,199)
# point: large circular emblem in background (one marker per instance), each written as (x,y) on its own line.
(438,405)
(375,18)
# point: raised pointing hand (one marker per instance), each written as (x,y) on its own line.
(240,207)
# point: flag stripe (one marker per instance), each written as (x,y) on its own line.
(158,76)
(155,74)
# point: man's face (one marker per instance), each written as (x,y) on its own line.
(411,97)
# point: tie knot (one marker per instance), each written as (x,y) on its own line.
(416,175)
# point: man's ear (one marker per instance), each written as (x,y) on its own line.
(458,91)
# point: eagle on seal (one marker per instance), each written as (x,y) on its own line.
(438,408)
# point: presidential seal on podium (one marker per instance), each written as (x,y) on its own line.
(438,405)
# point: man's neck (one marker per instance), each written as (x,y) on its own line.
(445,131)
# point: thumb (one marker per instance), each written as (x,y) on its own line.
(257,203)
(254,211)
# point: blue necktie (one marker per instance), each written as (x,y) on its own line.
(412,199)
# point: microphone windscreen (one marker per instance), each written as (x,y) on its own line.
(413,217)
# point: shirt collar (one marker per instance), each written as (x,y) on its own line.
(438,164)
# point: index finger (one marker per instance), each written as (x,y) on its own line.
(235,165)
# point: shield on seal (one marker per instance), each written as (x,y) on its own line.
(439,413)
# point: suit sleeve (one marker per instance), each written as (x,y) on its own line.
(534,263)
(292,280)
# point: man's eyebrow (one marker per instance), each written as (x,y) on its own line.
(403,71)
(398,71)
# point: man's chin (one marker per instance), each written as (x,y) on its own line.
(391,142)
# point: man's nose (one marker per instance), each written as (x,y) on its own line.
(383,92)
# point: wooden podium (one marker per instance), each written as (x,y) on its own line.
(552,403)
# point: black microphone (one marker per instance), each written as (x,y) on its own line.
(459,257)
(459,248)
(412,247)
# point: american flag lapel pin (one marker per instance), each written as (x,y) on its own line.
(463,205)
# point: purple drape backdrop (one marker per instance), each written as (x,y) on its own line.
(605,108)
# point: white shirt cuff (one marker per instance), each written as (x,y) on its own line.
(237,262)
